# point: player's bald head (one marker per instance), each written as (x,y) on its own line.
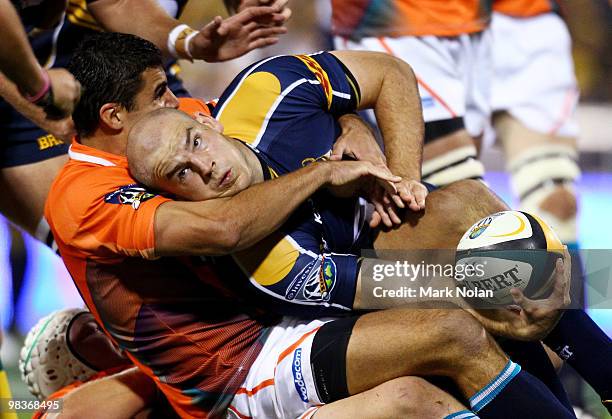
(150,136)
(191,159)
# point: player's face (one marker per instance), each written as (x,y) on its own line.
(93,346)
(154,94)
(196,162)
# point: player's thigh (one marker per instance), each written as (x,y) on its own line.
(434,62)
(516,138)
(401,397)
(449,212)
(525,52)
(25,188)
(427,342)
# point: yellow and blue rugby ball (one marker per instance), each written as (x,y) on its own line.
(510,249)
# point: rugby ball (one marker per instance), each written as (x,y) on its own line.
(509,249)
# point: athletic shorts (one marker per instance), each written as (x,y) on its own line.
(453,73)
(23,142)
(533,72)
(301,367)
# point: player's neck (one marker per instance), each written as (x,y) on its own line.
(252,161)
(108,142)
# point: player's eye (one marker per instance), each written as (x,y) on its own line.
(182,174)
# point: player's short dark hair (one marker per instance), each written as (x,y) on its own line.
(109,67)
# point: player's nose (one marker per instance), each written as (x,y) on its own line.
(204,165)
(170,101)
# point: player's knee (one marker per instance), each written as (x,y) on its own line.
(463,337)
(411,397)
(481,201)
(561,202)
(468,201)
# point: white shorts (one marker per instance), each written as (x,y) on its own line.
(453,74)
(533,77)
(280,383)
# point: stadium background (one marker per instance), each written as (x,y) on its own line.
(47,287)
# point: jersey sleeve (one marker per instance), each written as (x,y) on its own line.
(339,88)
(109,219)
(193,106)
(287,107)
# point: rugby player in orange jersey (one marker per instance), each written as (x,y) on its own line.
(110,226)
(448,45)
(187,327)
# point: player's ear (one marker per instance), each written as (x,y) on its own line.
(112,115)
(209,121)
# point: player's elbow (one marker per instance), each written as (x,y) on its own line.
(402,69)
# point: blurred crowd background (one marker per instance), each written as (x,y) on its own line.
(44,282)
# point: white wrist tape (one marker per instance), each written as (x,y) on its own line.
(178,41)
(188,42)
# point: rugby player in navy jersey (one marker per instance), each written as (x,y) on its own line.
(279,110)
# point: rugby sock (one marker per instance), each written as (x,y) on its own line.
(579,341)
(462,414)
(5,395)
(517,394)
(533,358)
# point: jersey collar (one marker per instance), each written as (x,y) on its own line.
(83,153)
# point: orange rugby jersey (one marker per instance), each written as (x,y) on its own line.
(175,317)
(356,19)
(525,8)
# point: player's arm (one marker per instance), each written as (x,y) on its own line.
(220,40)
(222,226)
(56,90)
(389,86)
(122,395)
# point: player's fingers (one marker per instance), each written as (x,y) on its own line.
(339,148)
(398,201)
(280,4)
(384,217)
(251,26)
(262,43)
(266,33)
(286,14)
(520,300)
(567,260)
(567,265)
(395,219)
(561,295)
(420,193)
(256,13)
(213,27)
(375,220)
